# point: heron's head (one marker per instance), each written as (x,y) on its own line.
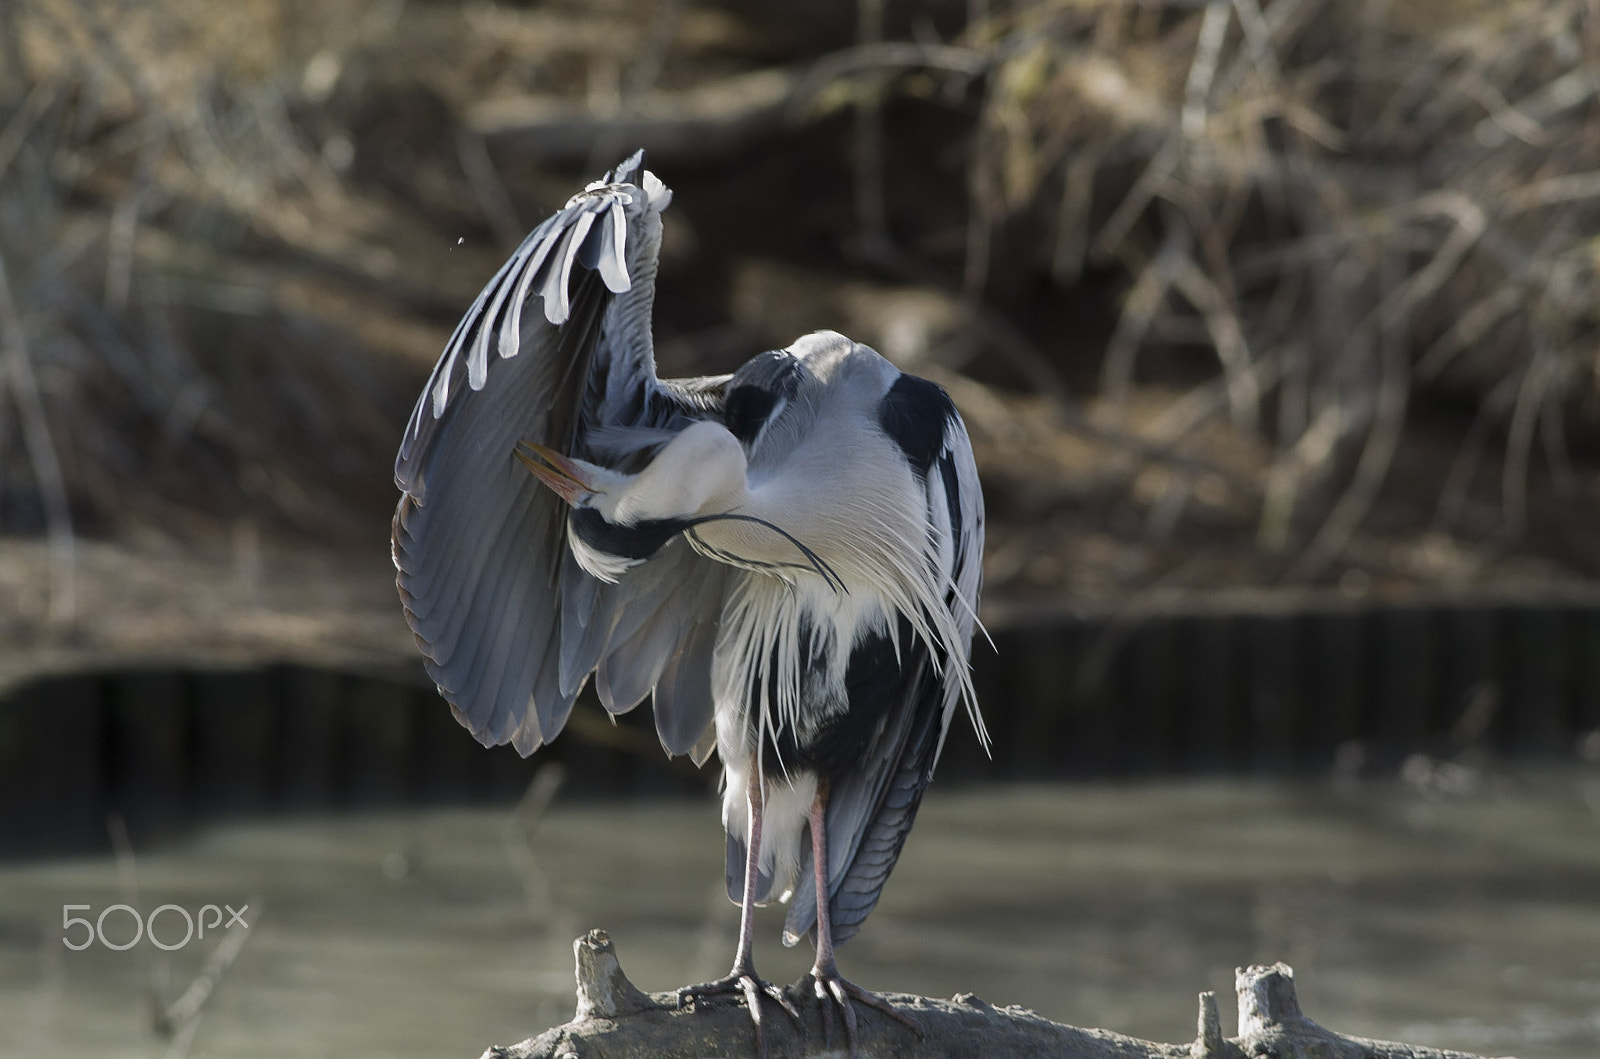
(701,469)
(620,519)
(695,484)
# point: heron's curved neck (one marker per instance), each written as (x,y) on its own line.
(699,472)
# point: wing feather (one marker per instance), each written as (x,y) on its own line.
(585,615)
(557,306)
(683,695)
(509,625)
(613,253)
(511,336)
(634,667)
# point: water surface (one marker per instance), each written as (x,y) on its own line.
(1470,921)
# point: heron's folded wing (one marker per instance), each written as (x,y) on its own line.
(558,343)
(871,811)
(664,620)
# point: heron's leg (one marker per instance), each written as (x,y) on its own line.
(743,980)
(831,987)
(744,956)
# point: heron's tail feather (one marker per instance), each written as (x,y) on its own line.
(738,854)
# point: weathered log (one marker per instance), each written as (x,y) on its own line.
(615,1020)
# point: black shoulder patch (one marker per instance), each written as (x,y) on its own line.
(756,390)
(915,413)
(745,411)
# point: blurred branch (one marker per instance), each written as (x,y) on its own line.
(877,57)
(1264,174)
(489,189)
(180,1018)
(1203,69)
(642,73)
(1378,452)
(1525,413)
(516,838)
(18,75)
(871,214)
(124,227)
(708,119)
(705,121)
(22,386)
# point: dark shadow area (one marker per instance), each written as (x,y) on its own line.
(1354,691)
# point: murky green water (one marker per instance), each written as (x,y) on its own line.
(1472,922)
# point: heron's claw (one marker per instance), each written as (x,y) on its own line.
(744,983)
(830,989)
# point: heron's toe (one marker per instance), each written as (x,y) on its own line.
(833,990)
(744,984)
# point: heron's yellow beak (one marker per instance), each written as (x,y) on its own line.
(563,476)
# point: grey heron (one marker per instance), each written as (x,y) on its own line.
(787,559)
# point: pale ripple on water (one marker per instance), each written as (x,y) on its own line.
(1471,923)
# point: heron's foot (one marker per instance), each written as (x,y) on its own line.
(831,989)
(742,982)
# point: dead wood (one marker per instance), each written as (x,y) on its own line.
(616,1020)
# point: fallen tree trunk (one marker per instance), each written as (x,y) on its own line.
(615,1020)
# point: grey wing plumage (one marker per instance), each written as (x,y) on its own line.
(870,812)
(555,347)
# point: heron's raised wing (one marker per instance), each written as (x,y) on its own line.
(871,811)
(556,346)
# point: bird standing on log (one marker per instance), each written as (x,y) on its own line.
(787,559)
